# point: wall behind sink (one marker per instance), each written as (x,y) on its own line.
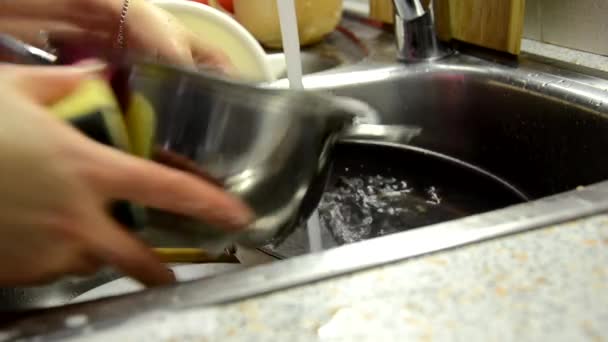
(578,24)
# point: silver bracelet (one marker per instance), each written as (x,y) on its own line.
(120,35)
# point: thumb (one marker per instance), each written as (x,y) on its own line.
(204,55)
(47,84)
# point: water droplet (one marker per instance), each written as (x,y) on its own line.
(76,321)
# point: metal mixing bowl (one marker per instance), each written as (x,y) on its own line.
(267,146)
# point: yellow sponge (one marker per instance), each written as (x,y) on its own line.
(94,110)
(141,122)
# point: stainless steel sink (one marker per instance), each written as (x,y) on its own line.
(529,124)
(539,124)
(542,128)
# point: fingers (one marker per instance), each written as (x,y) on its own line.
(88,265)
(202,54)
(37,31)
(160,34)
(151,184)
(114,245)
(48,261)
(46,84)
(155,33)
(93,15)
(25,30)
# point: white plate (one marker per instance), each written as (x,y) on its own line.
(223,32)
(182,273)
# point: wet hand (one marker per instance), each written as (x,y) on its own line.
(56,185)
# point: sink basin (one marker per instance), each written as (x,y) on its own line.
(538,125)
(541,128)
(542,133)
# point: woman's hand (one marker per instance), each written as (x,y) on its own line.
(154,30)
(55,185)
(148,29)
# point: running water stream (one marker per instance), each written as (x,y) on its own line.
(293,59)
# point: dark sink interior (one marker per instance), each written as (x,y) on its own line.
(544,139)
(381,188)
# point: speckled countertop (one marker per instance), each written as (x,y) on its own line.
(550,284)
(586,59)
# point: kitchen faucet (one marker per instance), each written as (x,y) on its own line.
(415,33)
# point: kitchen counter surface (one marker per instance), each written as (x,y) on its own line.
(547,284)
(563,54)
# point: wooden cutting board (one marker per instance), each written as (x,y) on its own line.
(494,24)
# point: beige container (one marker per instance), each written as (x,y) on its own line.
(316,19)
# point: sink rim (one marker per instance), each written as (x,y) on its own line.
(267,278)
(535,70)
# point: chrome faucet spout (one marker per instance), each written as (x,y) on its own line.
(415,33)
(409,9)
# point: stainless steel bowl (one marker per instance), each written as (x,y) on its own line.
(267,146)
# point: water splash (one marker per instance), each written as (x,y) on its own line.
(360,208)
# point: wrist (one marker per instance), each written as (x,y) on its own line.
(118,14)
(120,36)
(126,12)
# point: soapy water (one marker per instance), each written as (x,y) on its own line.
(359,207)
